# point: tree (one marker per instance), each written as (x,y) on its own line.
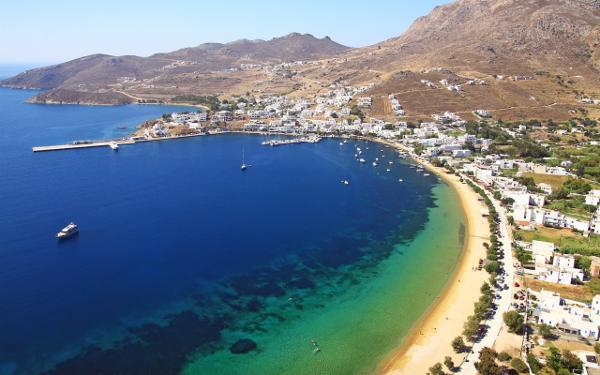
(436,369)
(514,321)
(449,363)
(571,362)
(519,365)
(419,149)
(471,327)
(355,111)
(546,331)
(492,267)
(554,359)
(487,362)
(597,348)
(459,346)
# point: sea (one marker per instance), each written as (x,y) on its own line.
(184,264)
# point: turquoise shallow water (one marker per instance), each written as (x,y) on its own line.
(181,255)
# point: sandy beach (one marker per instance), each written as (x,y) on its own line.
(429,342)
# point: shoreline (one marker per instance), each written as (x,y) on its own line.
(429,340)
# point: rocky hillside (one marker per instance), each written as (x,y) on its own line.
(496,35)
(550,49)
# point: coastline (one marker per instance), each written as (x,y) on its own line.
(429,340)
(444,319)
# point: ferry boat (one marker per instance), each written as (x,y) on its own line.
(68,231)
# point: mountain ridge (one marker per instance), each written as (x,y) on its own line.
(552,44)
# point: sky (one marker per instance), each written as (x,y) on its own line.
(42,31)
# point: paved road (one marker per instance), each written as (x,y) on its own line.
(504,303)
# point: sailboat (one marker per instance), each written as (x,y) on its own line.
(244,165)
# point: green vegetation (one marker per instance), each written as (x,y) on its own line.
(436,369)
(484,130)
(211,102)
(356,111)
(458,344)
(519,366)
(528,149)
(586,160)
(545,331)
(572,206)
(567,361)
(533,363)
(487,362)
(524,256)
(566,240)
(449,363)
(504,357)
(419,149)
(514,321)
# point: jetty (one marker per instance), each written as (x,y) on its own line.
(82,144)
(118,142)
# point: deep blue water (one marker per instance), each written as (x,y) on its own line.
(166,221)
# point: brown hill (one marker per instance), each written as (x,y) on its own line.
(97,73)
(548,50)
(493,35)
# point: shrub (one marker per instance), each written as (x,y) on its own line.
(504,357)
(519,365)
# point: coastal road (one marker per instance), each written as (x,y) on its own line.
(504,303)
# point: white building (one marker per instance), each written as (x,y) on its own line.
(569,316)
(593,198)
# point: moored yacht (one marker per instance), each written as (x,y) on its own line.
(68,231)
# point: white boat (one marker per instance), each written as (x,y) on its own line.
(389,170)
(341,143)
(426,174)
(345,182)
(390,162)
(68,231)
(362,160)
(400,180)
(114,146)
(374,164)
(244,165)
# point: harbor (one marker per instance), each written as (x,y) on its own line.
(291,141)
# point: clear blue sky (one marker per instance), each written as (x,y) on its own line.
(45,31)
